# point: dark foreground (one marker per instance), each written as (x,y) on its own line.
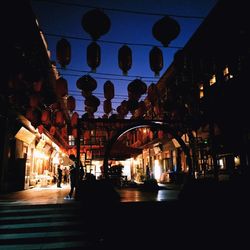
(207,214)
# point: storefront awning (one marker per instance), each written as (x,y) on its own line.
(25,135)
(65,161)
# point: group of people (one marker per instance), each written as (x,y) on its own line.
(72,177)
(62,176)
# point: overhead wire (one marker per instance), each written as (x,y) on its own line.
(102,73)
(106,78)
(119,10)
(111,42)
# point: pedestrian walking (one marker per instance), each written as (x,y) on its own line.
(72,176)
(59,176)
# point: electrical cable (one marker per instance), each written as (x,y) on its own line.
(119,10)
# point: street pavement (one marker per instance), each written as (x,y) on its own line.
(197,216)
(40,218)
(54,195)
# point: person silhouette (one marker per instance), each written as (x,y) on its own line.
(72,178)
(59,176)
(147,172)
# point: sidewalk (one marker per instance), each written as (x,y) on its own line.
(54,195)
(37,195)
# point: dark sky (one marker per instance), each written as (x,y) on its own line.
(128,28)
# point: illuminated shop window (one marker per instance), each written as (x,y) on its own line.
(201,88)
(212,80)
(71,140)
(227,74)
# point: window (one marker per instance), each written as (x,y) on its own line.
(212,80)
(71,140)
(227,74)
(201,88)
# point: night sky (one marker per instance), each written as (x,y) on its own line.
(59,20)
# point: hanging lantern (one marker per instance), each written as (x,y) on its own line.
(63,52)
(156,60)
(92,101)
(61,87)
(74,119)
(40,128)
(108,89)
(52,130)
(132,105)
(136,88)
(93,56)
(45,118)
(165,30)
(125,59)
(33,115)
(37,85)
(91,105)
(55,106)
(86,94)
(64,132)
(124,108)
(96,23)
(86,83)
(74,132)
(107,106)
(160,134)
(141,110)
(59,119)
(153,94)
(34,101)
(71,103)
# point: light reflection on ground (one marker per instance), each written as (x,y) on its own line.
(54,195)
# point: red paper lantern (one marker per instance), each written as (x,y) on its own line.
(96,23)
(93,56)
(52,130)
(92,101)
(107,106)
(153,93)
(40,128)
(86,83)
(156,60)
(34,101)
(74,132)
(59,119)
(74,119)
(37,85)
(63,52)
(160,134)
(165,30)
(46,117)
(136,88)
(61,87)
(33,115)
(71,103)
(108,89)
(64,132)
(125,59)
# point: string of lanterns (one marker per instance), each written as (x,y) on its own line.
(96,23)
